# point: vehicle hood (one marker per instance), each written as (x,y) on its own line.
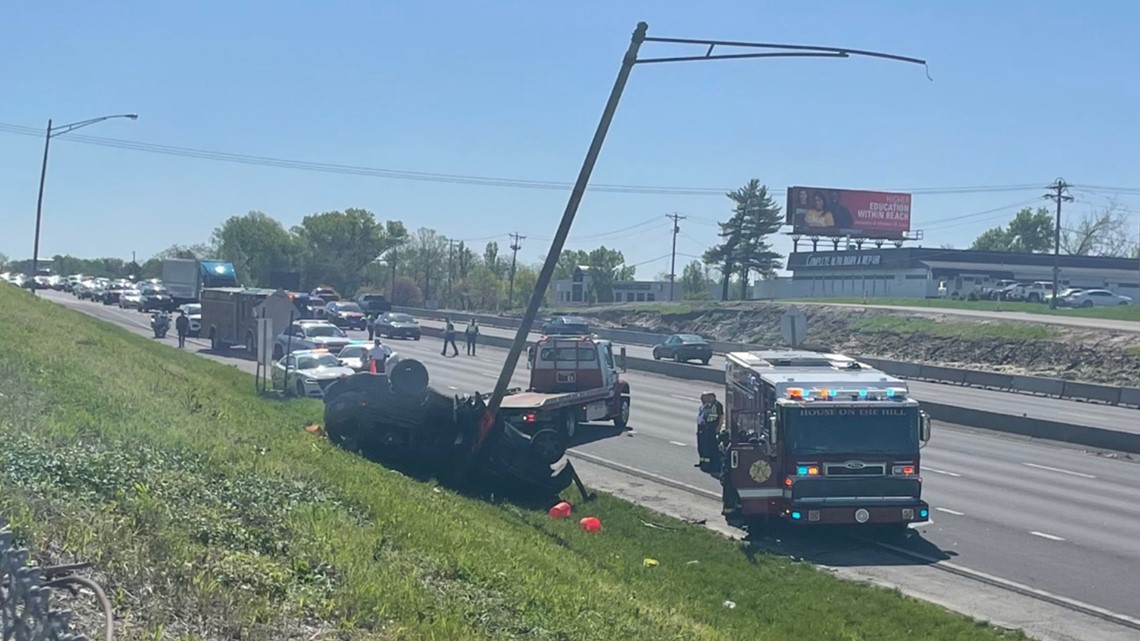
(330,340)
(404,325)
(327,373)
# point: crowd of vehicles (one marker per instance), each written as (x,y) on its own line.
(1042,292)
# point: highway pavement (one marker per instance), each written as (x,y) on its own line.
(1110,417)
(1051,517)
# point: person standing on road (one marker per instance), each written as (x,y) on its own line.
(377,357)
(369,319)
(709,419)
(472,333)
(182,327)
(449,337)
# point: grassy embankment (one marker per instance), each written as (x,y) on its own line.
(908,326)
(211,513)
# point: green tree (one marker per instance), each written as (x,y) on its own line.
(1029,231)
(3,260)
(526,279)
(405,291)
(423,258)
(744,247)
(491,258)
(1105,232)
(257,245)
(338,246)
(200,251)
(695,281)
(484,288)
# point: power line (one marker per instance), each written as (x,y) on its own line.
(486,181)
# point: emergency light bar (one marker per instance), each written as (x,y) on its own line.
(862,394)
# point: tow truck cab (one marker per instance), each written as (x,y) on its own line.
(573,379)
(821,439)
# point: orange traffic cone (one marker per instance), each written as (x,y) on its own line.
(372,365)
(590,524)
(561,511)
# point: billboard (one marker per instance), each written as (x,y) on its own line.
(818,211)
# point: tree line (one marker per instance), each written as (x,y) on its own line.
(1104,232)
(353,251)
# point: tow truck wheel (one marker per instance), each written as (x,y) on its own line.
(622,419)
(569,423)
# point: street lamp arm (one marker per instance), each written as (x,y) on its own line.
(64,129)
(804,51)
(745,56)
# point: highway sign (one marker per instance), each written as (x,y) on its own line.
(793,326)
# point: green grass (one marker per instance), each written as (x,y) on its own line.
(1123,312)
(211,513)
(1133,351)
(922,326)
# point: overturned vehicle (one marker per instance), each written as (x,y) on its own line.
(399,418)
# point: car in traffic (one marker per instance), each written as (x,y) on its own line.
(156,298)
(1095,298)
(325,293)
(111,295)
(566,325)
(130,299)
(683,348)
(306,373)
(397,325)
(194,314)
(310,334)
(373,304)
(346,314)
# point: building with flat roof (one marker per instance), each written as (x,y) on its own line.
(917,272)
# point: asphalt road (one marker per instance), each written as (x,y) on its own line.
(1051,517)
(1111,417)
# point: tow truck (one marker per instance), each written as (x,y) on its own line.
(573,379)
(820,439)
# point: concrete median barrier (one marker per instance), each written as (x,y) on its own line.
(1011,424)
(940,374)
(1130,396)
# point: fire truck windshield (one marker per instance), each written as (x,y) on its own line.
(851,430)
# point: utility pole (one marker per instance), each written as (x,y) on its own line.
(676,218)
(516,245)
(1058,193)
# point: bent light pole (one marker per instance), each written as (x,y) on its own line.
(51,133)
(628,62)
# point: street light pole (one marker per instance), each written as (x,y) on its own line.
(628,61)
(50,133)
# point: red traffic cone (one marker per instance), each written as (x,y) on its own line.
(561,510)
(590,524)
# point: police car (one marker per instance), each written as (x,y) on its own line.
(306,373)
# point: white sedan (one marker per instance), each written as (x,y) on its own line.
(1096,298)
(307,373)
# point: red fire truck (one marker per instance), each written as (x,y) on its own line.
(573,379)
(821,439)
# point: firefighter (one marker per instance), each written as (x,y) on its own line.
(710,418)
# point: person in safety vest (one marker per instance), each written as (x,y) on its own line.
(710,417)
(377,356)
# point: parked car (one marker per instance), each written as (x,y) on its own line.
(1062,298)
(310,334)
(572,325)
(325,293)
(194,313)
(397,325)
(346,314)
(683,348)
(306,373)
(352,355)
(1096,298)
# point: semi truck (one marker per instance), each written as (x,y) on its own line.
(820,439)
(573,380)
(185,278)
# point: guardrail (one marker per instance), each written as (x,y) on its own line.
(1023,384)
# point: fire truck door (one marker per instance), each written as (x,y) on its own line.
(754,473)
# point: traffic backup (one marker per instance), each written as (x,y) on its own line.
(820,439)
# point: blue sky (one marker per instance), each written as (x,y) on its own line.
(1023,92)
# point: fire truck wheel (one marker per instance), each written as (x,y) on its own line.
(622,419)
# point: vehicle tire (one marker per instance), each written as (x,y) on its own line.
(677,358)
(704,361)
(656,356)
(621,421)
(1034,297)
(1123,302)
(300,389)
(569,423)
(1087,304)
(416,338)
